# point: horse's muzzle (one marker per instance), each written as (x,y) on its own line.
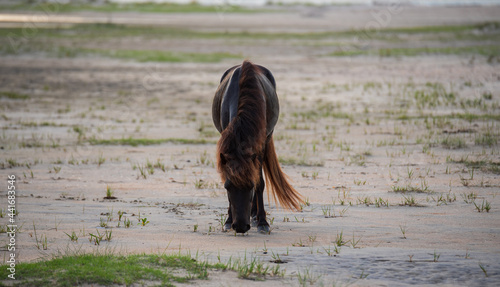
(240,228)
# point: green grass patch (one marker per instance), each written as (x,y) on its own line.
(450,142)
(474,117)
(106,30)
(143,141)
(486,50)
(485,165)
(14,96)
(108,270)
(165,56)
(463,116)
(445,29)
(129,270)
(300,162)
(55,50)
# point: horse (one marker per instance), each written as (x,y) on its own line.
(245,111)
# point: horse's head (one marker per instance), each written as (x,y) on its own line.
(241,173)
(240,198)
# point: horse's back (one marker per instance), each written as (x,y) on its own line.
(225,104)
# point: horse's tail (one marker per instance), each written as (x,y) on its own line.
(277,181)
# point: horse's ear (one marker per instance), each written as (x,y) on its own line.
(222,159)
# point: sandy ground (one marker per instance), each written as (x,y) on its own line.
(347,164)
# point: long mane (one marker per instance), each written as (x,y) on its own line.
(241,145)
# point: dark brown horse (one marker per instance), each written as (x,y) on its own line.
(245,110)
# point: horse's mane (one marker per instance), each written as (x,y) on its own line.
(241,145)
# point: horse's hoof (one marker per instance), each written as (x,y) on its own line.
(264,229)
(254,221)
(227,227)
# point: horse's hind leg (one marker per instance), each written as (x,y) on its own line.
(258,202)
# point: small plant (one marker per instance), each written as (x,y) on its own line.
(222,220)
(127,222)
(56,224)
(436,256)
(97,238)
(306,277)
(307,202)
(409,201)
(298,244)
(410,173)
(265,248)
(365,200)
(103,223)
(359,182)
(143,171)
(73,236)
(312,238)
(331,252)
(354,242)
(40,242)
(100,160)
(469,197)
(466,181)
(302,220)
(57,169)
(159,164)
(200,184)
(339,241)
(143,221)
(343,212)
(195,228)
(109,193)
(381,202)
(120,214)
(485,206)
(483,269)
(108,235)
(44,242)
(328,211)
(276,258)
(402,227)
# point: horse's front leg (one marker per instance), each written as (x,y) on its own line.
(253,214)
(258,202)
(229,220)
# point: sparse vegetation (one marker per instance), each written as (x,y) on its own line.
(367,142)
(106,269)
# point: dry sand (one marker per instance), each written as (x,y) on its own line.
(360,158)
